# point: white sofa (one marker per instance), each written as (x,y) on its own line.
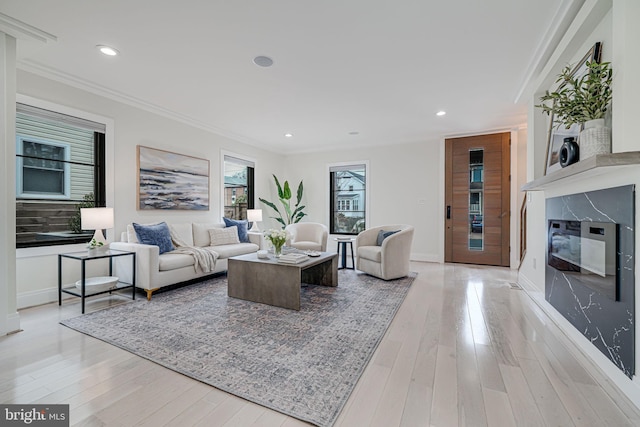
(154,271)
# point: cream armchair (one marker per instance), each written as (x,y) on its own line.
(308,236)
(388,260)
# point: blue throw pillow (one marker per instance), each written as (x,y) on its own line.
(243,228)
(157,234)
(383,235)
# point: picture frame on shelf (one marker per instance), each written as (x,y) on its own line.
(557,131)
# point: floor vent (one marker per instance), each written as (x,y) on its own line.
(515,286)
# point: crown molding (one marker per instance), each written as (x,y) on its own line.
(23,31)
(91,87)
(564,16)
(581,24)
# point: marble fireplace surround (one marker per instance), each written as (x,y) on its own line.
(608,324)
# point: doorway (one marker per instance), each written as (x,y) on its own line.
(477,199)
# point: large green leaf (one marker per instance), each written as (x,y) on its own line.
(299,195)
(287,191)
(280,192)
(271,205)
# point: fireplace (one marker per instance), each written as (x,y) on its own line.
(587,251)
(590,276)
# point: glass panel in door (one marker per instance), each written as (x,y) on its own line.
(476,196)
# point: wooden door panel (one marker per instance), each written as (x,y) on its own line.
(489,236)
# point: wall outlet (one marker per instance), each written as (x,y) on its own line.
(534,263)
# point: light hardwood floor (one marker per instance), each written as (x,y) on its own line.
(465,349)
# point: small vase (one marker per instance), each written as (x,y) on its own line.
(594,139)
(277,250)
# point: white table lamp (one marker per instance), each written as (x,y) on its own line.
(254,215)
(96,219)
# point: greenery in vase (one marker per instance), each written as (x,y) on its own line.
(580,98)
(291,215)
(94,244)
(276,237)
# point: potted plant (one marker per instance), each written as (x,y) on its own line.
(291,215)
(583,99)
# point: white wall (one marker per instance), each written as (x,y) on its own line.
(36,268)
(406,186)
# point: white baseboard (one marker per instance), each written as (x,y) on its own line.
(426,258)
(13,322)
(39,297)
(586,353)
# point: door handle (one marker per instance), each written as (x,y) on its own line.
(448,212)
(503,214)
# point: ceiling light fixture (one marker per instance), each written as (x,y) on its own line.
(441,113)
(107,50)
(288,135)
(263,61)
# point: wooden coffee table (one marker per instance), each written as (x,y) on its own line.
(270,282)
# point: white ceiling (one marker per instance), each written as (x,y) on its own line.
(380,68)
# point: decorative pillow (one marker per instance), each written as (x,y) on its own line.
(383,235)
(242,228)
(157,234)
(224,236)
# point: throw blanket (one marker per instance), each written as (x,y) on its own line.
(204,259)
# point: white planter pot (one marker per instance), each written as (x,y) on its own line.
(594,139)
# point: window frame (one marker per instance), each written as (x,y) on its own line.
(251,164)
(20,193)
(329,193)
(108,141)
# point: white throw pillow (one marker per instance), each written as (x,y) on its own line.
(224,236)
(201,236)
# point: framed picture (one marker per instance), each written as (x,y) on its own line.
(557,131)
(173,181)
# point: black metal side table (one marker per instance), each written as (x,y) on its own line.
(342,252)
(86,256)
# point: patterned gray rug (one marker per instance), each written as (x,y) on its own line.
(304,364)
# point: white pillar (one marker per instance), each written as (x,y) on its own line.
(9,319)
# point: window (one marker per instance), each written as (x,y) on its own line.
(59,167)
(347,184)
(42,169)
(238,186)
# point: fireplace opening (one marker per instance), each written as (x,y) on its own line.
(588,252)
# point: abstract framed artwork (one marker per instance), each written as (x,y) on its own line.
(171,181)
(557,131)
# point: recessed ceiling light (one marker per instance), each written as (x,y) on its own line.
(107,50)
(263,61)
(441,113)
(288,135)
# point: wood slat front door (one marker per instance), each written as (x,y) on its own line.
(477,199)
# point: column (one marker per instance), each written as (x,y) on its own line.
(9,319)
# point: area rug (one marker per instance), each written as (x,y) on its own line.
(302,363)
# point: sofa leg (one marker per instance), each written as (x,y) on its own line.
(149,292)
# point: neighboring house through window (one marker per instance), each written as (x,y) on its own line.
(238,186)
(348,193)
(59,165)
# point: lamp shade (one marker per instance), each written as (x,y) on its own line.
(254,215)
(96,218)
